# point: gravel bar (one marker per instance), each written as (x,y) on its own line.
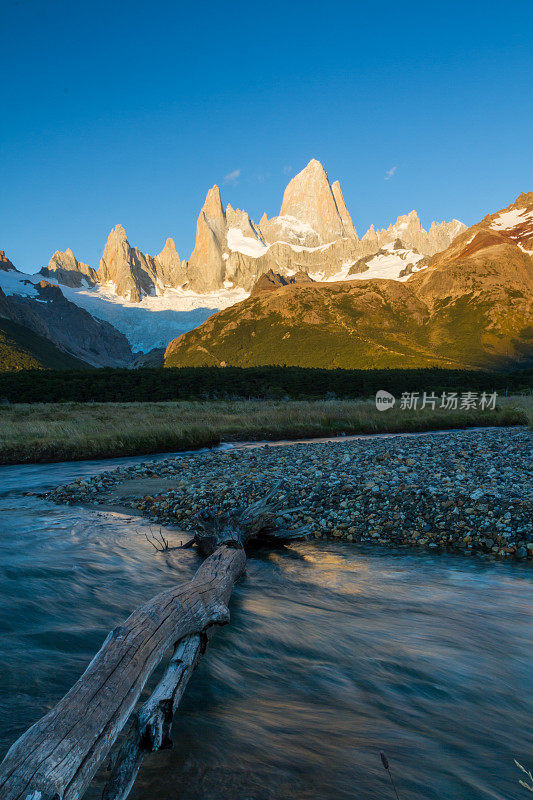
(465,491)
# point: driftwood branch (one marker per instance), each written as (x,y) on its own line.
(157,540)
(58,756)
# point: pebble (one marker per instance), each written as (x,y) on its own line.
(466,491)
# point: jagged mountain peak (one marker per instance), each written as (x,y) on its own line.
(213,208)
(133,273)
(312,202)
(313,170)
(407,219)
(206,266)
(517,217)
(65,268)
(524,198)
(118,233)
(313,177)
(313,232)
(63,256)
(115,238)
(314,166)
(129,271)
(169,270)
(408,228)
(169,249)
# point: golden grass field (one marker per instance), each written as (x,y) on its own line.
(72,431)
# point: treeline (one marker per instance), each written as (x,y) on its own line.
(212,383)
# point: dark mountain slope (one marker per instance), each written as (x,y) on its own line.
(21,348)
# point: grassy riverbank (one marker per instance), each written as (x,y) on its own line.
(72,431)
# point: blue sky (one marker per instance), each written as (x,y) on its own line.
(129,111)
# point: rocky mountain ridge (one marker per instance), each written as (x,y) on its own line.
(133,273)
(65,268)
(470,306)
(22,348)
(408,229)
(313,232)
(270,281)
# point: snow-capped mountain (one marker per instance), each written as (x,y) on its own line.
(313,232)
(469,306)
(151,299)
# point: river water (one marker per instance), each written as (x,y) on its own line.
(333,653)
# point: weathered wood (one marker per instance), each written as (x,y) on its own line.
(150,728)
(262,522)
(58,756)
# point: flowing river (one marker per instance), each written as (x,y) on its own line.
(333,654)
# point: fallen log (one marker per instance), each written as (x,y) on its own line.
(58,756)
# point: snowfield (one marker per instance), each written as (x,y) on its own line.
(294,226)
(155,321)
(240,243)
(19,283)
(341,275)
(248,246)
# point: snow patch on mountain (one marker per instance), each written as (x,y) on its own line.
(341,275)
(240,243)
(295,226)
(248,246)
(300,248)
(388,264)
(508,220)
(19,283)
